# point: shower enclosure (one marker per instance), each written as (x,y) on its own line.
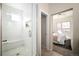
(17,29)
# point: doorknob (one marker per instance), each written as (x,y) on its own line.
(4,41)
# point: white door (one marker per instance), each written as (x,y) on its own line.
(17,30)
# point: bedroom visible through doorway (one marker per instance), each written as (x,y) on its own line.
(62,32)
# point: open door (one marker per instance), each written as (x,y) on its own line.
(17,29)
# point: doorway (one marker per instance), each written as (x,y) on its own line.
(43,32)
(63,32)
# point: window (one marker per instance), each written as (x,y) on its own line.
(59,26)
(66,25)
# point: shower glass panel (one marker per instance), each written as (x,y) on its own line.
(16,29)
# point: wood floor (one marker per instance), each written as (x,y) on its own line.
(49,53)
(57,51)
(63,51)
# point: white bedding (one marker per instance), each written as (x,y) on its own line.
(61,37)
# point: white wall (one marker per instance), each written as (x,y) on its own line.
(54,8)
(44,7)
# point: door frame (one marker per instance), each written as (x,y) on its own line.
(44,13)
(34,30)
(38,30)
